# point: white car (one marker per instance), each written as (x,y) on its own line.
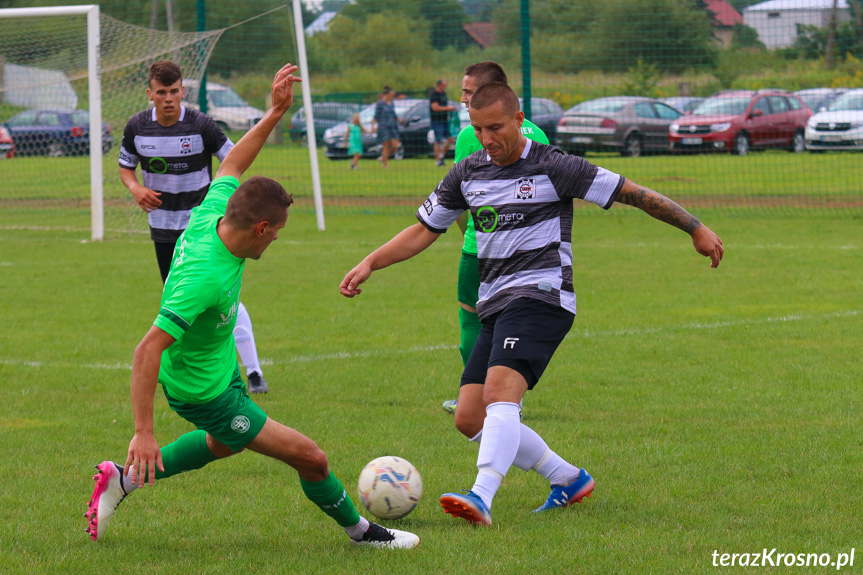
(224,106)
(840,127)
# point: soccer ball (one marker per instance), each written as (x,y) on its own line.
(390,487)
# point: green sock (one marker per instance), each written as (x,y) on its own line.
(332,498)
(188,452)
(470,326)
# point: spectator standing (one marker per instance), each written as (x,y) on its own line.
(387,125)
(440,110)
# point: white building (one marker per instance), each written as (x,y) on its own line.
(776,20)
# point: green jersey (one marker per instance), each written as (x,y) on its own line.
(466,144)
(199,304)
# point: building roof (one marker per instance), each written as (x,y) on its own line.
(726,15)
(320,24)
(481,32)
(778,5)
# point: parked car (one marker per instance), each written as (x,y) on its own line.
(630,125)
(840,127)
(54,133)
(415,119)
(818,98)
(7,144)
(326,115)
(743,120)
(683,103)
(545,113)
(224,106)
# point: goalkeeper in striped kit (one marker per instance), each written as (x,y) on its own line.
(189,349)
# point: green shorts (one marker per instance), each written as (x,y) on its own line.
(468,280)
(232,417)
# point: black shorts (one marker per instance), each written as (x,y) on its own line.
(523,336)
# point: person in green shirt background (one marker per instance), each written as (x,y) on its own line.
(189,350)
(475,76)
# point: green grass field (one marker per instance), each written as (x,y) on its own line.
(718,410)
(54,193)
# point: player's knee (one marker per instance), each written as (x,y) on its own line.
(313,464)
(467,423)
(219,449)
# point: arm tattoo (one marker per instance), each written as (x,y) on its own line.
(658,206)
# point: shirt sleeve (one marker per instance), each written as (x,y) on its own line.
(182,303)
(128,156)
(445,204)
(466,144)
(215,140)
(576,178)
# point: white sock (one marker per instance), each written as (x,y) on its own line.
(530,449)
(355,532)
(556,469)
(245,341)
(497,450)
(534,454)
(128,486)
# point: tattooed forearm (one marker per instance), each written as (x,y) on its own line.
(658,206)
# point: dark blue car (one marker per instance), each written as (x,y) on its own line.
(54,133)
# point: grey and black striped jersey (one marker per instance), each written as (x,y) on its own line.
(176,161)
(523,218)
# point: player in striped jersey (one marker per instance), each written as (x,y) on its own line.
(467,288)
(520,195)
(174,146)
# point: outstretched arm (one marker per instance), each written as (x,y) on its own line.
(408,243)
(246,150)
(144,454)
(655,204)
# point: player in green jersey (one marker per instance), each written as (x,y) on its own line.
(475,75)
(190,351)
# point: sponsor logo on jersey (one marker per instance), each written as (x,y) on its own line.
(525,189)
(428,206)
(474,193)
(486,217)
(509,342)
(226,319)
(158,165)
(185,146)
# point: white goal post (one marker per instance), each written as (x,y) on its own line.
(95,98)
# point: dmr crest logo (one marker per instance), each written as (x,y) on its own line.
(525,189)
(185,146)
(240,424)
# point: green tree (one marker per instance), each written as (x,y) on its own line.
(669,34)
(444,17)
(393,38)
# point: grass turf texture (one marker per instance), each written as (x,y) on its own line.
(54,192)
(717,409)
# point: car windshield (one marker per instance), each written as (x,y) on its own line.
(226,99)
(80,118)
(734,106)
(600,106)
(847,101)
(812,100)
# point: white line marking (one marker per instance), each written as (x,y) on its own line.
(440,347)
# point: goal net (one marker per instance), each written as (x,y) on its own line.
(45,71)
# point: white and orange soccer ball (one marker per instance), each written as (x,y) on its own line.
(390,487)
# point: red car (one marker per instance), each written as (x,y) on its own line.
(7,144)
(742,120)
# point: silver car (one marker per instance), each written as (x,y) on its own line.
(630,125)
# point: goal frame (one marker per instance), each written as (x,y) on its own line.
(97,215)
